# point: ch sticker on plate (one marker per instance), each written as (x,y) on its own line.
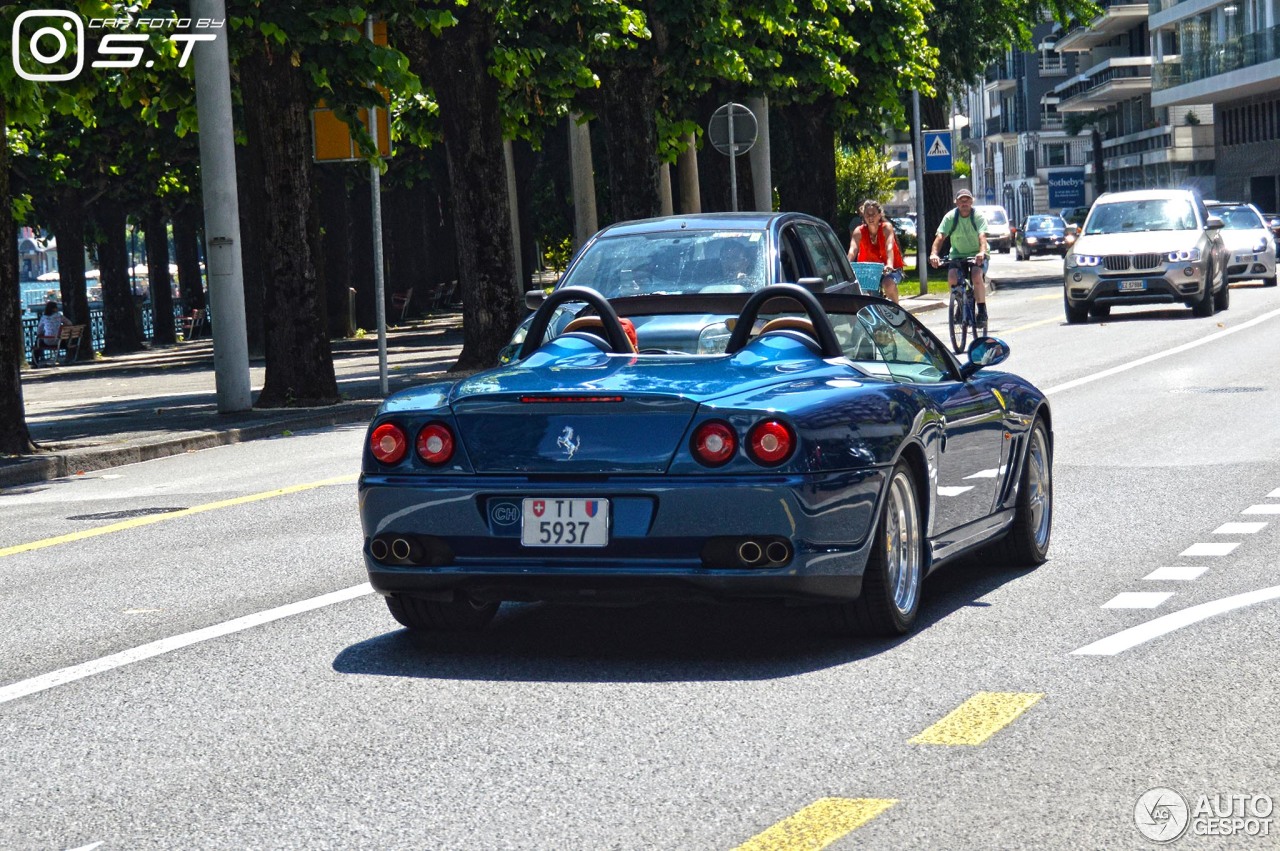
(560,522)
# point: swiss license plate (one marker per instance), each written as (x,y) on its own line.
(1246,258)
(557,522)
(1130,286)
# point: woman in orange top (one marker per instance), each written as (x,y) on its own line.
(873,241)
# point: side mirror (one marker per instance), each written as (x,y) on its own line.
(1274,224)
(533,299)
(1214,222)
(813,285)
(1072,230)
(983,352)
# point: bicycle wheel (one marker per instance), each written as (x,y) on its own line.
(979,322)
(956,320)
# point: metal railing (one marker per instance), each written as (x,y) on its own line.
(1219,57)
(97,328)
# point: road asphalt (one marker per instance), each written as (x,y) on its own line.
(162,401)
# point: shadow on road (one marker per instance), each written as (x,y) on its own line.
(651,643)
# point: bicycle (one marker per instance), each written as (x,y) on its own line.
(963,312)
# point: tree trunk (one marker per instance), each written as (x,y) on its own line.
(158,274)
(335,223)
(69,229)
(808,182)
(526,160)
(299,360)
(186,247)
(1099,173)
(628,109)
(119,307)
(15,438)
(456,65)
(254,252)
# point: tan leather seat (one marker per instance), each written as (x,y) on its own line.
(791,323)
(592,325)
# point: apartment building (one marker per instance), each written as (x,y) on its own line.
(1225,53)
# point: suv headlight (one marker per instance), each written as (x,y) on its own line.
(1084,260)
(1261,245)
(1191,255)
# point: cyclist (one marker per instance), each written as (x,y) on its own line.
(968,232)
(874,241)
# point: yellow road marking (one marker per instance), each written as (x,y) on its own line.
(159,518)
(818,825)
(1057,320)
(978,718)
(1055,297)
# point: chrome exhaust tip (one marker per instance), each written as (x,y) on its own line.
(778,552)
(378,549)
(749,553)
(401,549)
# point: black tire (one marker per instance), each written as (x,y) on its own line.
(955,321)
(1027,541)
(1269,282)
(891,583)
(1222,298)
(436,616)
(1100,310)
(1204,305)
(1075,314)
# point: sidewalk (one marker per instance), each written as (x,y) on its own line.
(160,402)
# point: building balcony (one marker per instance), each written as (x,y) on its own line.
(1117,18)
(1226,70)
(1105,84)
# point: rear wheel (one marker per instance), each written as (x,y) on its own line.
(890,598)
(1027,543)
(955,320)
(1204,305)
(437,616)
(1222,299)
(1075,313)
(1100,310)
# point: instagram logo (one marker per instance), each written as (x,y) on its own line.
(51,36)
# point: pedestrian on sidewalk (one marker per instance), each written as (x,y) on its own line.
(48,332)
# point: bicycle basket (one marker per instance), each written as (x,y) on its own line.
(869,275)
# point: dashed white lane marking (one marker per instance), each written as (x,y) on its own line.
(986,474)
(1210,549)
(1266,508)
(1275,494)
(1180,574)
(1132,637)
(1137,600)
(1106,373)
(63,676)
(954,491)
(1239,528)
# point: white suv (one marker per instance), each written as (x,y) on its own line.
(999,238)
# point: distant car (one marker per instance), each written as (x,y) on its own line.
(1152,246)
(906,230)
(706,253)
(1250,241)
(1074,215)
(1042,234)
(832,458)
(999,234)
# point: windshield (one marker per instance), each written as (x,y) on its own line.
(1238,218)
(1147,215)
(672,263)
(993,215)
(1045,223)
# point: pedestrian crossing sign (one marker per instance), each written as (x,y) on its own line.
(938,147)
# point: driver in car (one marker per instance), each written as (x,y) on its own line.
(737,261)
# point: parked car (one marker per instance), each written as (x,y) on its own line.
(706,253)
(1249,240)
(1273,222)
(1152,246)
(905,228)
(999,236)
(1042,234)
(803,463)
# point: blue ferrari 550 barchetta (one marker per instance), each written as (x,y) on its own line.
(833,454)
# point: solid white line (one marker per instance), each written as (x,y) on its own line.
(1137,600)
(1180,574)
(1106,373)
(954,491)
(1209,549)
(1262,509)
(1121,641)
(177,642)
(1240,528)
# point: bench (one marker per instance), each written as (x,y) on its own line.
(66,349)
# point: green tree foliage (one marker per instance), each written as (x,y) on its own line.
(861,174)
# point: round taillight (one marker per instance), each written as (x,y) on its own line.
(714,443)
(388,443)
(770,442)
(435,443)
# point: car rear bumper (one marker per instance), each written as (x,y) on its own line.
(670,537)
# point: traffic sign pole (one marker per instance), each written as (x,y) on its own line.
(733,165)
(922,258)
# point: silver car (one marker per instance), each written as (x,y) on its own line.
(1248,237)
(1155,246)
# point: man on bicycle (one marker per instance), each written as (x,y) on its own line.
(968,232)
